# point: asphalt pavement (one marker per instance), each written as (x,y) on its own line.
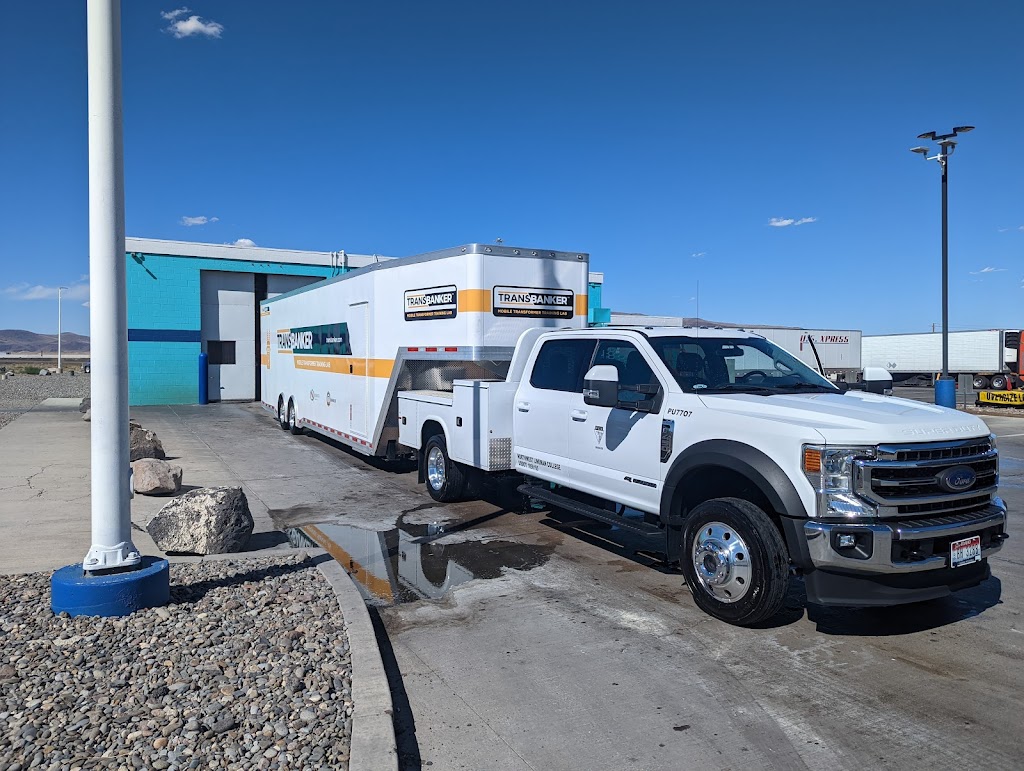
(541,641)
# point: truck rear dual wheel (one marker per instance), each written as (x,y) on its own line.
(999,382)
(980,382)
(735,561)
(446,479)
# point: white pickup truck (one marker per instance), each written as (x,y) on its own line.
(737,460)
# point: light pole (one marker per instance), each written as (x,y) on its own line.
(945,389)
(114,579)
(60,367)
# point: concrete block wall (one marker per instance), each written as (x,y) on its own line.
(164,321)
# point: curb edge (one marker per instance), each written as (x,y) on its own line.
(373,729)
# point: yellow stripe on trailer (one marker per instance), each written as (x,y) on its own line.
(1002,398)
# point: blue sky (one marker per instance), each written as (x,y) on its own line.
(664,138)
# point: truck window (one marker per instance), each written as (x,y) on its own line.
(561,365)
(632,367)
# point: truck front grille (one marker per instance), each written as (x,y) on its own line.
(904,480)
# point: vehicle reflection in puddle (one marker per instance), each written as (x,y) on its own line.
(405,564)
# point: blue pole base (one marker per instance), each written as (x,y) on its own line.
(945,393)
(78,593)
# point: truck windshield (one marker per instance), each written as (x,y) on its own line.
(736,365)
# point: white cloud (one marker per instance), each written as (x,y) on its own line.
(244,242)
(699,254)
(986,270)
(785,222)
(172,15)
(180,26)
(79,290)
(190,221)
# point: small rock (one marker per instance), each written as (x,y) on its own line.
(144,444)
(159,744)
(156,477)
(87,417)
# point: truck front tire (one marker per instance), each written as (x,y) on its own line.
(446,479)
(734,561)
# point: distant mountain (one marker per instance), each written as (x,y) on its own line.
(23,341)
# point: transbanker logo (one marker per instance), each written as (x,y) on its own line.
(294,340)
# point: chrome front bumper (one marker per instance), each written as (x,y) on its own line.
(825,556)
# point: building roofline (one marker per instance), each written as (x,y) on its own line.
(248,253)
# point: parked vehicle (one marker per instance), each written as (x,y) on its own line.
(990,356)
(717,447)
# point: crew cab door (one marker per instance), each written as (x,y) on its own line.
(617,450)
(540,418)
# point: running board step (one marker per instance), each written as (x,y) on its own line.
(547,495)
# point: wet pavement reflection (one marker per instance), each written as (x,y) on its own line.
(409,563)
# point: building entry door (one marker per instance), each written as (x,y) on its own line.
(228,334)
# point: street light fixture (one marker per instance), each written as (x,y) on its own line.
(945,393)
(60,367)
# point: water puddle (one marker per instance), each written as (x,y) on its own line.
(407,563)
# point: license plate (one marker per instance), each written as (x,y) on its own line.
(965,551)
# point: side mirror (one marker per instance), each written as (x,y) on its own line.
(601,386)
(877,380)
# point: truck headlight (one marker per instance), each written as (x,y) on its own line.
(830,471)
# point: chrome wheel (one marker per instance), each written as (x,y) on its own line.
(721,561)
(291,417)
(436,468)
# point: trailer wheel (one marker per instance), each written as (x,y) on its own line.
(282,415)
(293,421)
(999,382)
(446,479)
(734,561)
(980,382)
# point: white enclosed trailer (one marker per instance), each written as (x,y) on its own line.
(336,354)
(982,354)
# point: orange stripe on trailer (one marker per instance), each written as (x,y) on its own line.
(474,301)
(379,586)
(582,307)
(345,365)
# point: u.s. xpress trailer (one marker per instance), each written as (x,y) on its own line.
(335,354)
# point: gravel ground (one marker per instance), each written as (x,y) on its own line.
(23,392)
(248,667)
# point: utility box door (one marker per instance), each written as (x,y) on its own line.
(229,333)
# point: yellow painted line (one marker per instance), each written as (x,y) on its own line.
(474,301)
(581,305)
(345,365)
(379,586)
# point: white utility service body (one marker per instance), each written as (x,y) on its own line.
(336,354)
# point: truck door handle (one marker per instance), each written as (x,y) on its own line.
(523,406)
(579,415)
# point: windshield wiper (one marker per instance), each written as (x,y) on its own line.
(736,388)
(815,386)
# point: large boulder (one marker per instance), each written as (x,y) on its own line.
(144,444)
(156,477)
(211,520)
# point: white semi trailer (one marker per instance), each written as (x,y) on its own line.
(832,352)
(989,356)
